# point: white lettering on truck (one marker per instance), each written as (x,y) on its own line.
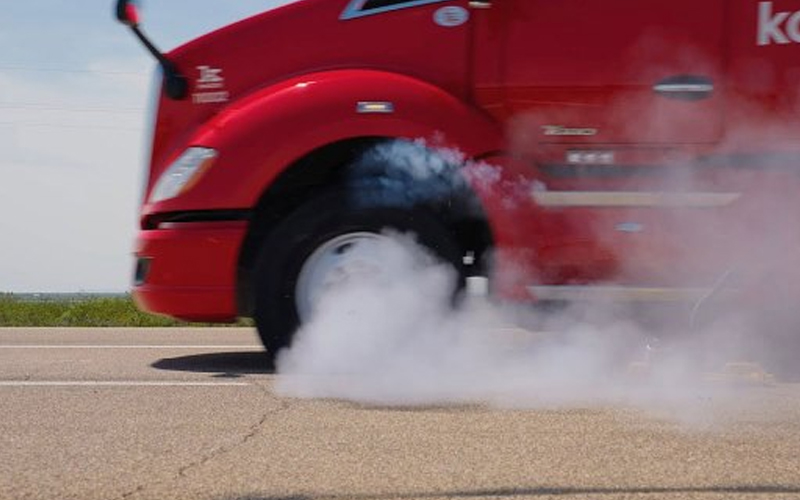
(210,86)
(777,27)
(562,131)
(210,78)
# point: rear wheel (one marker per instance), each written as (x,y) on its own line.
(322,243)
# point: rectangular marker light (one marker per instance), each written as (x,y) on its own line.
(374,107)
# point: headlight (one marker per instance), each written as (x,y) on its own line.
(183,172)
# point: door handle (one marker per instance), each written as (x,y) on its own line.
(480,4)
(685,87)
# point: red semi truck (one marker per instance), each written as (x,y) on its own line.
(616,149)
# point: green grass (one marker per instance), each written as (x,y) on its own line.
(82,311)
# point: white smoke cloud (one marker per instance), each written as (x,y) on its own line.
(394,338)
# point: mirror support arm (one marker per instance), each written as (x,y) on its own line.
(175,84)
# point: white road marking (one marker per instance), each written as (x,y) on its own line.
(111,346)
(113,383)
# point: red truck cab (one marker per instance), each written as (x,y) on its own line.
(632,146)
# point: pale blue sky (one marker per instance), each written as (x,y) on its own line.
(73,89)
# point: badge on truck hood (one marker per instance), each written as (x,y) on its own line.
(451,16)
(209,86)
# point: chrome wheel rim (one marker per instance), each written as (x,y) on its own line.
(334,263)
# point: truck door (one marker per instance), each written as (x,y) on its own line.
(764,81)
(592,89)
(611,71)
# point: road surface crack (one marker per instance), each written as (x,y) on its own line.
(134,491)
(252,432)
(224,450)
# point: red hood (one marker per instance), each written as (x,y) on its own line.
(302,37)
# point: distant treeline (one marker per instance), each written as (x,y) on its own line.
(79,310)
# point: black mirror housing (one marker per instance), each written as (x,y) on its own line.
(128,12)
(176,86)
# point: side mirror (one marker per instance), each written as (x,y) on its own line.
(128,12)
(176,86)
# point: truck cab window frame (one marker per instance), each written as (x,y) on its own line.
(361,8)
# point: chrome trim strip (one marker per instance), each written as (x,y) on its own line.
(612,293)
(632,199)
(700,88)
(353,9)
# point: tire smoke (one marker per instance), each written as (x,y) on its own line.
(396,338)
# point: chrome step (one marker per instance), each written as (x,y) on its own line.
(633,199)
(618,293)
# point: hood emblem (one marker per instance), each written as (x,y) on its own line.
(210,86)
(451,16)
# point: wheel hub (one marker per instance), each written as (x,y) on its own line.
(336,262)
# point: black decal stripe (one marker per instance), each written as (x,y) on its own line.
(153,221)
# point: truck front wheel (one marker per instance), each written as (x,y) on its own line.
(315,246)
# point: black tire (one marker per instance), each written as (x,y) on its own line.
(330,215)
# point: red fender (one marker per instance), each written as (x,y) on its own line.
(261,135)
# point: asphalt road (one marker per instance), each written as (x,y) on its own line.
(161,414)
